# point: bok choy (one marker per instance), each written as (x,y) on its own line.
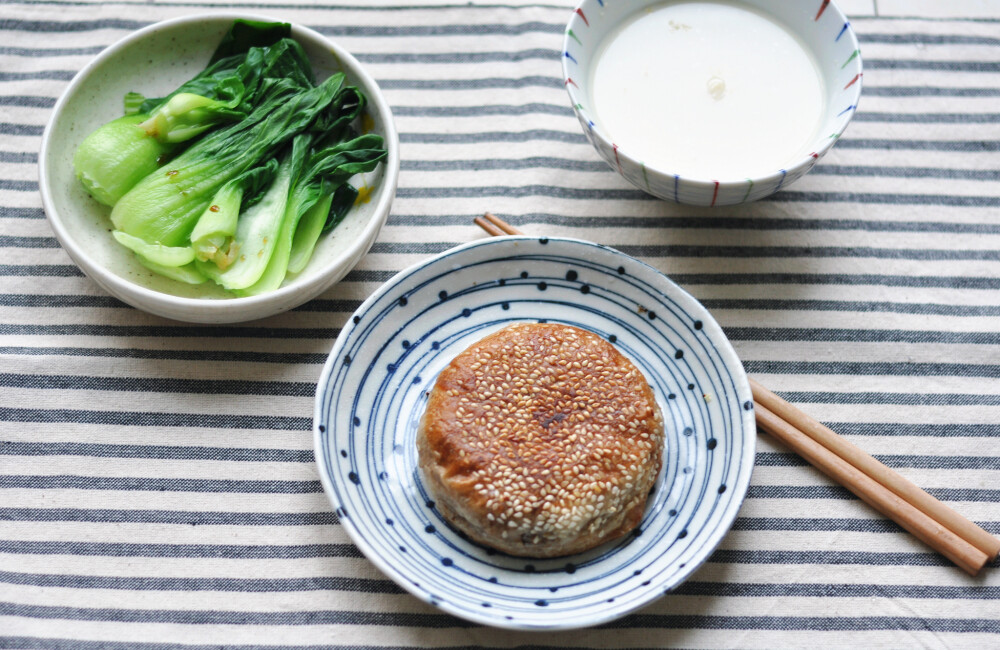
(234,175)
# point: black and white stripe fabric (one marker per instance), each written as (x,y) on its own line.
(157,482)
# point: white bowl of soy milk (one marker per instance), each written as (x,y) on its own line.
(712,102)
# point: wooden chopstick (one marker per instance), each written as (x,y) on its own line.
(489,227)
(495,226)
(953,547)
(889,479)
(960,540)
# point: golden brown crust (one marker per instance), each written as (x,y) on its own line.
(541,440)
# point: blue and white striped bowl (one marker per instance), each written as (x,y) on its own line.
(374,389)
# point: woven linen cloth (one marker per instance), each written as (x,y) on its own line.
(157,482)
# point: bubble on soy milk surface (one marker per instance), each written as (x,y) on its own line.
(711,90)
(716,88)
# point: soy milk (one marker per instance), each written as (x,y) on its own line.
(710,90)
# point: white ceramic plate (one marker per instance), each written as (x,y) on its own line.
(374,388)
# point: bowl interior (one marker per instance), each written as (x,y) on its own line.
(153,62)
(819,26)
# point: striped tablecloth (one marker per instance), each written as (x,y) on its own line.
(157,483)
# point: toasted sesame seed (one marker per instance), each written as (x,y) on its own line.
(556,432)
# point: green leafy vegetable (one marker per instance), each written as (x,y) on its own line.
(213,235)
(257,231)
(323,217)
(245,34)
(133,102)
(330,166)
(188,274)
(164,206)
(156,253)
(187,115)
(234,175)
(259,50)
(113,159)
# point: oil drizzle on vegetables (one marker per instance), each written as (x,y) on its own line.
(364,194)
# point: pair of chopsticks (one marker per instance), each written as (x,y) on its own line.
(899,499)
(932,522)
(495,226)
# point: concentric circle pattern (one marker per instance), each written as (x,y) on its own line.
(374,389)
